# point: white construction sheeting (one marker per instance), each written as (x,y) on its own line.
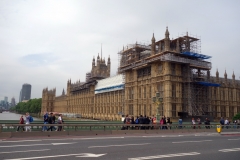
(110,84)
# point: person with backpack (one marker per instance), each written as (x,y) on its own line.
(28,121)
(50,121)
(45,121)
(222,122)
(21,121)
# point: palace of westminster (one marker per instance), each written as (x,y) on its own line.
(166,77)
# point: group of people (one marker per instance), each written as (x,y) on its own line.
(198,123)
(47,119)
(225,123)
(51,119)
(27,121)
(164,122)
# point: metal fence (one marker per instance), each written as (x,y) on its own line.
(108,127)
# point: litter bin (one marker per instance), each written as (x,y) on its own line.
(219,128)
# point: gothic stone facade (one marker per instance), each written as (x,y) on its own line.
(176,81)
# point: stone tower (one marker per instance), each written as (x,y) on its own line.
(101,70)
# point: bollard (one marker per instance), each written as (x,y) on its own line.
(219,128)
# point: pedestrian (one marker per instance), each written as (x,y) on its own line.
(132,122)
(193,123)
(50,121)
(199,123)
(28,122)
(45,121)
(164,122)
(60,121)
(168,123)
(21,121)
(207,123)
(222,122)
(180,123)
(54,121)
(161,123)
(137,122)
(226,123)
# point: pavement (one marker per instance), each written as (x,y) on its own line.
(172,146)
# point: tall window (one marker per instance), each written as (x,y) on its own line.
(150,92)
(139,109)
(150,110)
(160,68)
(130,91)
(231,111)
(173,110)
(130,109)
(223,111)
(145,109)
(139,92)
(173,68)
(144,92)
(160,89)
(173,90)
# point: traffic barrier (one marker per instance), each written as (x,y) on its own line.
(9,130)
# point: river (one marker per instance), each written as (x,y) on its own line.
(11,116)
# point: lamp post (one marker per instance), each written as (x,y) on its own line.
(158,101)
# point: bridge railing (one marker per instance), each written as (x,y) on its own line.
(107,127)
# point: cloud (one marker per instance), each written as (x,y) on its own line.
(38,60)
(45,43)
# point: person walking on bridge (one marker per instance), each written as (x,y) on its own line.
(21,121)
(28,122)
(45,121)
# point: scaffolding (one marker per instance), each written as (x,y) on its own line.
(184,50)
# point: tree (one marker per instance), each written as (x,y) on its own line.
(237,116)
(32,106)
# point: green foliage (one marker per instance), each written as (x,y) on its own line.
(32,106)
(237,116)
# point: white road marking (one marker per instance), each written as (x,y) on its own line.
(96,138)
(20,141)
(35,145)
(162,136)
(230,150)
(119,145)
(191,141)
(91,155)
(165,156)
(65,155)
(234,139)
(26,151)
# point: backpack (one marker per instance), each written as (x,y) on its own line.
(136,121)
(31,119)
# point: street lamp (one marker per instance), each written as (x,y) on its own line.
(158,101)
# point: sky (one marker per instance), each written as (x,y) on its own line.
(46,42)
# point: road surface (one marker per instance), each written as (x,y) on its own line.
(196,146)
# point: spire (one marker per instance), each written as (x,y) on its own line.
(177,47)
(167,33)
(98,56)
(101,51)
(233,76)
(109,60)
(153,38)
(217,73)
(153,47)
(225,74)
(63,92)
(217,76)
(123,48)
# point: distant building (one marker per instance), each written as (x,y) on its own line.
(20,95)
(25,92)
(6,99)
(13,102)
